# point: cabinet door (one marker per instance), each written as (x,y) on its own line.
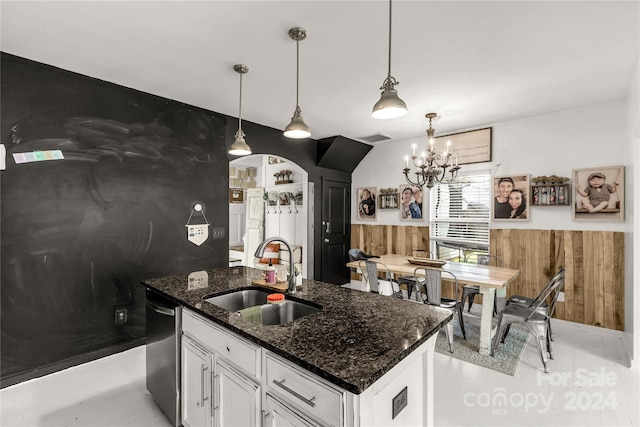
(236,399)
(196,385)
(278,415)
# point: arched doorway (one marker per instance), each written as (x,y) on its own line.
(274,202)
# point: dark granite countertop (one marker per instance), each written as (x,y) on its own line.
(353,341)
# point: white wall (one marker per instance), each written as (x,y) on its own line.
(632,234)
(550,144)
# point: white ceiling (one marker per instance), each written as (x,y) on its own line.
(473,62)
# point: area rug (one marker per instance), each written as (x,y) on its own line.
(507,355)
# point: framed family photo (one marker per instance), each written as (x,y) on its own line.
(410,202)
(367,203)
(598,194)
(511,198)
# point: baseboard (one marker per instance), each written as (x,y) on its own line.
(68,363)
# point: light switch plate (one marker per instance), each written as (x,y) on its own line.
(217,233)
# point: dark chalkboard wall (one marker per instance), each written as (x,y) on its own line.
(79,234)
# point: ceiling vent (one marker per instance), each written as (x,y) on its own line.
(376,137)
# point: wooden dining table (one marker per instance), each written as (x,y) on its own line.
(491,280)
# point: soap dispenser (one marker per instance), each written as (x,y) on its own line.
(271,274)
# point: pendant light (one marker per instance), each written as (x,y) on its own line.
(297,128)
(240,147)
(390,105)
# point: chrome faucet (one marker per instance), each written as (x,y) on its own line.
(291,288)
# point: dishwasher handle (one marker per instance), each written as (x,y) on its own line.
(167,311)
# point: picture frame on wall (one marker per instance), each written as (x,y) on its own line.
(388,198)
(511,197)
(236,195)
(598,194)
(472,146)
(367,208)
(410,202)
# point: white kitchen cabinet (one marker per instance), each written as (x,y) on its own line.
(255,387)
(304,392)
(196,385)
(237,398)
(278,415)
(218,377)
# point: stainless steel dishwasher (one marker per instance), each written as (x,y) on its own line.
(164,324)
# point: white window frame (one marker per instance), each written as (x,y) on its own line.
(440,216)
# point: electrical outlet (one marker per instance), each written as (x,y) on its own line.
(399,402)
(121,316)
(217,233)
(561,297)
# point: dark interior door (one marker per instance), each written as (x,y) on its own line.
(336,231)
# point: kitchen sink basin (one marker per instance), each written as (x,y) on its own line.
(252,304)
(286,312)
(239,300)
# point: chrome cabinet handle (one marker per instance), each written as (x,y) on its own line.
(328,229)
(296,394)
(216,385)
(203,369)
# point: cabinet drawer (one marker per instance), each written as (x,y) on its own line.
(305,392)
(240,353)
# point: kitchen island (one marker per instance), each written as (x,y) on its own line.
(374,352)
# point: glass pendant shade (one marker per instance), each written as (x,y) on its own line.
(297,128)
(390,106)
(239,146)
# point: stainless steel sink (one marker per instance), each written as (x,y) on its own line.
(286,312)
(267,314)
(238,300)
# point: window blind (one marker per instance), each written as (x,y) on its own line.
(460,214)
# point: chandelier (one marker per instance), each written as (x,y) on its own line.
(432,167)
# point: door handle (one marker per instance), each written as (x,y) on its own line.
(328,227)
(326,240)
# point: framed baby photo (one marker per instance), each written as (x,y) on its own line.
(410,202)
(367,203)
(511,197)
(598,194)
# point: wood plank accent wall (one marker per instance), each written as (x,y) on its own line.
(594,264)
(593,260)
(390,239)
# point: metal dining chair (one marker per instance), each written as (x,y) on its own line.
(544,306)
(470,291)
(370,276)
(533,318)
(432,281)
(413,283)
